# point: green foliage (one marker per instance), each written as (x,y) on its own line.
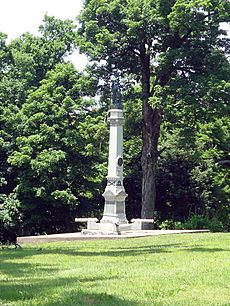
(9,218)
(193,168)
(194,222)
(203,222)
(51,131)
(55,150)
(9,213)
(176,53)
(171,225)
(178,36)
(132,153)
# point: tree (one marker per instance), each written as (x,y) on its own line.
(191,178)
(154,42)
(50,133)
(52,154)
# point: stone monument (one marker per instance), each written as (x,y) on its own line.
(114,219)
(114,210)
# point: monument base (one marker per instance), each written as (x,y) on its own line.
(94,227)
(101,233)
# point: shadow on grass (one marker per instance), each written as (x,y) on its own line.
(206,250)
(10,259)
(8,255)
(60,291)
(17,269)
(33,281)
(100,299)
(11,254)
(10,264)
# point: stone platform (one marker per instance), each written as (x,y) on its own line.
(96,235)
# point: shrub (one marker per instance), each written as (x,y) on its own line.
(195,222)
(9,219)
(170,224)
(216,225)
(203,222)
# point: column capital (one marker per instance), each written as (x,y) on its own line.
(116,121)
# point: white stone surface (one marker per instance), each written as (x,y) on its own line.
(114,194)
(92,223)
(136,224)
(97,235)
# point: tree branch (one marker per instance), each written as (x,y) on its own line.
(187,69)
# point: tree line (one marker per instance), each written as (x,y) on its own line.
(172,58)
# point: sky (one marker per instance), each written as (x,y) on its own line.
(20,16)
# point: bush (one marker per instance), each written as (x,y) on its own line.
(203,222)
(170,224)
(197,222)
(194,222)
(9,219)
(215,225)
(9,214)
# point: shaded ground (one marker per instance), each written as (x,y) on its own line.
(175,270)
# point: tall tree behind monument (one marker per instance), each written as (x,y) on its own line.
(155,42)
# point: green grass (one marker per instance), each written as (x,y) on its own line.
(191,269)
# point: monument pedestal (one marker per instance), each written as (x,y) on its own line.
(114,210)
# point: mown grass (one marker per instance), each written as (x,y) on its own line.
(191,269)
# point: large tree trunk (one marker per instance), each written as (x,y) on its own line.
(150,134)
(151,125)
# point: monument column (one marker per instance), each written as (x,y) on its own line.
(114,194)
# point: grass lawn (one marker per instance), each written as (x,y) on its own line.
(188,269)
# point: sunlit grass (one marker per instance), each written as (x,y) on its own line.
(183,270)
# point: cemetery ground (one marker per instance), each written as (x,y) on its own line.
(188,269)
